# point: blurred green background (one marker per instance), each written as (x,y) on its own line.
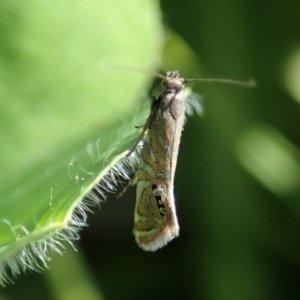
(237,180)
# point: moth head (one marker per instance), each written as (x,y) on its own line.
(173,81)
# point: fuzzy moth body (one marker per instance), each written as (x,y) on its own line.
(155,220)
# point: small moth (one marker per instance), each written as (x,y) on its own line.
(155,219)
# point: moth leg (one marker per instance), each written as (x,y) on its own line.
(155,103)
(131,182)
(141,137)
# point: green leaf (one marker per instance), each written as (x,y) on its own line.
(65,120)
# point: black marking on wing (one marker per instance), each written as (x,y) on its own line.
(159,201)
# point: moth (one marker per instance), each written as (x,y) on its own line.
(155,219)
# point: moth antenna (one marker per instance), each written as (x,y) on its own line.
(248,84)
